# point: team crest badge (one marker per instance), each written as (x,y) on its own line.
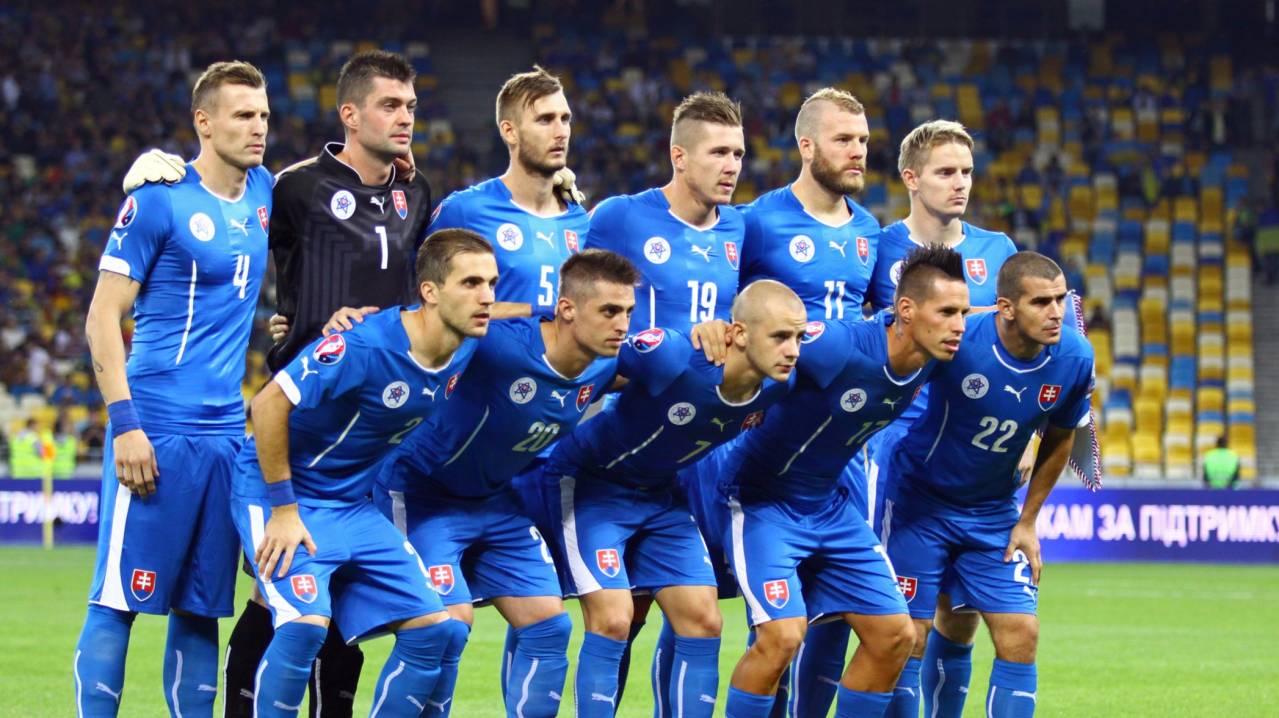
(863,249)
(570,241)
(264,219)
(449,387)
(681,413)
(895,272)
(647,340)
(330,351)
(907,586)
(608,562)
(509,237)
(1048,396)
(395,394)
(128,211)
(201,226)
(342,204)
(975,386)
(777,593)
(401,203)
(657,250)
(304,588)
(801,248)
(976,269)
(441,579)
(812,331)
(142,584)
(730,253)
(852,400)
(584,396)
(752,420)
(522,390)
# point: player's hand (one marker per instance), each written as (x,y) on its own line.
(280,540)
(135,466)
(278,327)
(154,166)
(1023,537)
(405,167)
(345,319)
(712,338)
(565,182)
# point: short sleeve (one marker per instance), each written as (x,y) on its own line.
(449,215)
(1073,414)
(820,355)
(329,368)
(654,358)
(752,246)
(142,227)
(607,217)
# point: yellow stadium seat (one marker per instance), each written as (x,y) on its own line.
(1149,415)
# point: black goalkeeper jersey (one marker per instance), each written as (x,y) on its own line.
(337,242)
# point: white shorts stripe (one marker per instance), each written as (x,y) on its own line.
(399,513)
(758,614)
(113,585)
(583,580)
(284,611)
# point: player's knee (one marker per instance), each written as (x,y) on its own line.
(779,641)
(899,638)
(614,626)
(706,622)
(321,621)
(958,627)
(1016,639)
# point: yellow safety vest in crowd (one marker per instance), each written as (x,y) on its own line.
(24,456)
(64,454)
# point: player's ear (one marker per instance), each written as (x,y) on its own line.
(349,114)
(806,149)
(201,122)
(678,156)
(910,179)
(1006,309)
(566,308)
(506,128)
(430,293)
(905,310)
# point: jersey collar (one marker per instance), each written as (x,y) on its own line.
(329,158)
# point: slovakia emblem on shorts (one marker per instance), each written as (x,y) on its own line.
(608,562)
(647,340)
(777,593)
(1048,395)
(584,396)
(449,387)
(907,586)
(863,249)
(752,420)
(812,331)
(304,588)
(570,241)
(730,253)
(441,579)
(128,211)
(142,584)
(401,203)
(330,351)
(976,269)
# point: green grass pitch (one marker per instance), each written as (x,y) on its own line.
(1121,639)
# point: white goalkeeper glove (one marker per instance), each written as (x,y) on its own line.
(154,166)
(566,185)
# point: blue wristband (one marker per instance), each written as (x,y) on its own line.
(123,416)
(280,493)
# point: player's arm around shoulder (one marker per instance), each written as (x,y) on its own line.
(654,358)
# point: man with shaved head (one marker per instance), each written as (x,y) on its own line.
(619,520)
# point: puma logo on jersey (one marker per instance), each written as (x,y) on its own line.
(839,247)
(1014,392)
(892,403)
(380,201)
(306,368)
(427,391)
(242,225)
(721,423)
(119,239)
(558,395)
(705,252)
(549,238)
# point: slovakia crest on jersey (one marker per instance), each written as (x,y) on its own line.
(863,249)
(331,350)
(304,588)
(128,211)
(449,387)
(1048,396)
(570,241)
(142,585)
(752,420)
(812,331)
(441,579)
(976,269)
(907,586)
(777,593)
(401,203)
(264,219)
(730,253)
(584,396)
(608,561)
(648,340)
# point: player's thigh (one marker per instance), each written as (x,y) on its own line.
(765,551)
(511,558)
(208,586)
(669,551)
(985,582)
(383,582)
(851,573)
(306,589)
(596,522)
(919,550)
(440,533)
(700,486)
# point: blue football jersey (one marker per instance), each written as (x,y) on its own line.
(669,415)
(530,248)
(983,407)
(984,252)
(689,275)
(510,406)
(845,392)
(355,394)
(829,267)
(199,258)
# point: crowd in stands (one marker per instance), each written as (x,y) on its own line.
(1074,137)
